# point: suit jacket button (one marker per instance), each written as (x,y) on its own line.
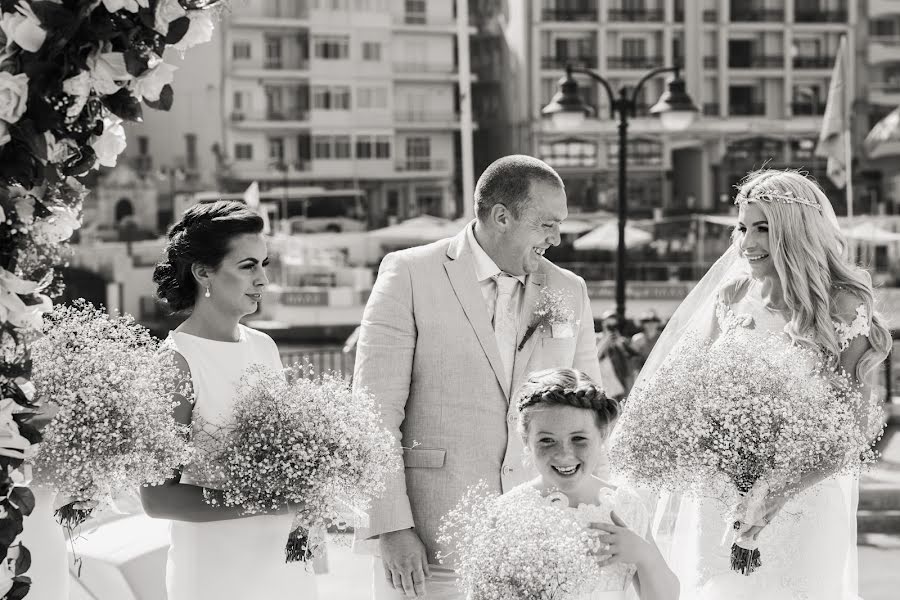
(506,470)
(511,419)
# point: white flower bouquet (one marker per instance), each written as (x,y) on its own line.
(111,389)
(552,311)
(309,444)
(518,547)
(756,412)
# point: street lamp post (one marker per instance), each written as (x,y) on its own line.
(568,110)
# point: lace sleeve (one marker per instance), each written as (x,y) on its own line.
(859,326)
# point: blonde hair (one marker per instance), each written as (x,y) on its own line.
(807,249)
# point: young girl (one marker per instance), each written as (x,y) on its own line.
(564,419)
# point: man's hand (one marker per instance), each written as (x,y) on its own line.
(405,561)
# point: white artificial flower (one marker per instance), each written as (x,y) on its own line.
(200,31)
(23,28)
(4,133)
(12,443)
(59,151)
(129,5)
(150,84)
(13,96)
(111,143)
(166,12)
(59,226)
(25,209)
(107,71)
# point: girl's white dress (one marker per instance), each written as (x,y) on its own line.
(238,558)
(615,582)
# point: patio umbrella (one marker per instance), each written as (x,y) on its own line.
(606,237)
(418,230)
(871,233)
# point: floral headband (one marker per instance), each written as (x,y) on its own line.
(784,198)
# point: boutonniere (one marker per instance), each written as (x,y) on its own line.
(553,310)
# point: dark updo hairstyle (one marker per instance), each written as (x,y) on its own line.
(203,235)
(564,387)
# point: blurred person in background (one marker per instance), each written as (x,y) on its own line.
(643,341)
(616,357)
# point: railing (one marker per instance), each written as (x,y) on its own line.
(555,14)
(640,271)
(756,62)
(710,62)
(322,359)
(421,164)
(807,108)
(634,62)
(421,18)
(813,62)
(277,64)
(747,109)
(423,67)
(711,109)
(560,62)
(426,116)
(637,15)
(758,15)
(710,16)
(294,114)
(286,9)
(820,16)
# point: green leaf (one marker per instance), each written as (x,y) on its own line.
(23,562)
(124,105)
(23,498)
(52,16)
(27,133)
(21,587)
(165,99)
(177,30)
(136,62)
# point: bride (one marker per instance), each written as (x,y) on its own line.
(784,273)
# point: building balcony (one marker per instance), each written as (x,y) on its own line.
(820,16)
(710,16)
(757,15)
(416,119)
(756,62)
(884,49)
(270,120)
(634,62)
(421,67)
(747,109)
(418,165)
(560,62)
(711,109)
(421,18)
(271,14)
(637,15)
(887,94)
(799,109)
(813,62)
(710,62)
(565,16)
(272,69)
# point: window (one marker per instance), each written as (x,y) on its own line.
(371,51)
(342,146)
(382,146)
(883,28)
(571,152)
(364,146)
(331,98)
(322,146)
(371,97)
(273,52)
(418,153)
(633,48)
(276,149)
(415,12)
(332,47)
(243,151)
(143,143)
(238,100)
(240,50)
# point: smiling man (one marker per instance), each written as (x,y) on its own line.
(442,348)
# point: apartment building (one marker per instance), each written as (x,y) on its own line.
(354,95)
(759,69)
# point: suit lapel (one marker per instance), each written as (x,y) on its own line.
(534,283)
(461,272)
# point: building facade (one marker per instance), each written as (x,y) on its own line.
(882,56)
(356,95)
(758,70)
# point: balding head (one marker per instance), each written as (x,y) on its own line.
(508,180)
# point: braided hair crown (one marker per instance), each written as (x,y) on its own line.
(565,387)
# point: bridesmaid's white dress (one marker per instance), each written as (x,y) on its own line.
(235,559)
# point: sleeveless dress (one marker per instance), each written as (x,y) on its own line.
(808,550)
(615,582)
(237,558)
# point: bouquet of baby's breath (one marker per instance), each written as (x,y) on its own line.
(294,441)
(757,411)
(518,547)
(553,308)
(111,388)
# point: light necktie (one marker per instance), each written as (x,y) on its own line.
(505,327)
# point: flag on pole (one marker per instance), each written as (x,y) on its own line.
(251,199)
(879,141)
(834,139)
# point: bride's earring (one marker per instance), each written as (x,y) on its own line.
(206,295)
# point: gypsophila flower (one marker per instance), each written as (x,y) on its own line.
(112,387)
(554,307)
(297,440)
(517,547)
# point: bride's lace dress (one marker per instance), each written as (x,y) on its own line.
(808,551)
(616,580)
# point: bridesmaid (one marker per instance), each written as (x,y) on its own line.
(214,269)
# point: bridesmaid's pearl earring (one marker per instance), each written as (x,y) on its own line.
(207,292)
